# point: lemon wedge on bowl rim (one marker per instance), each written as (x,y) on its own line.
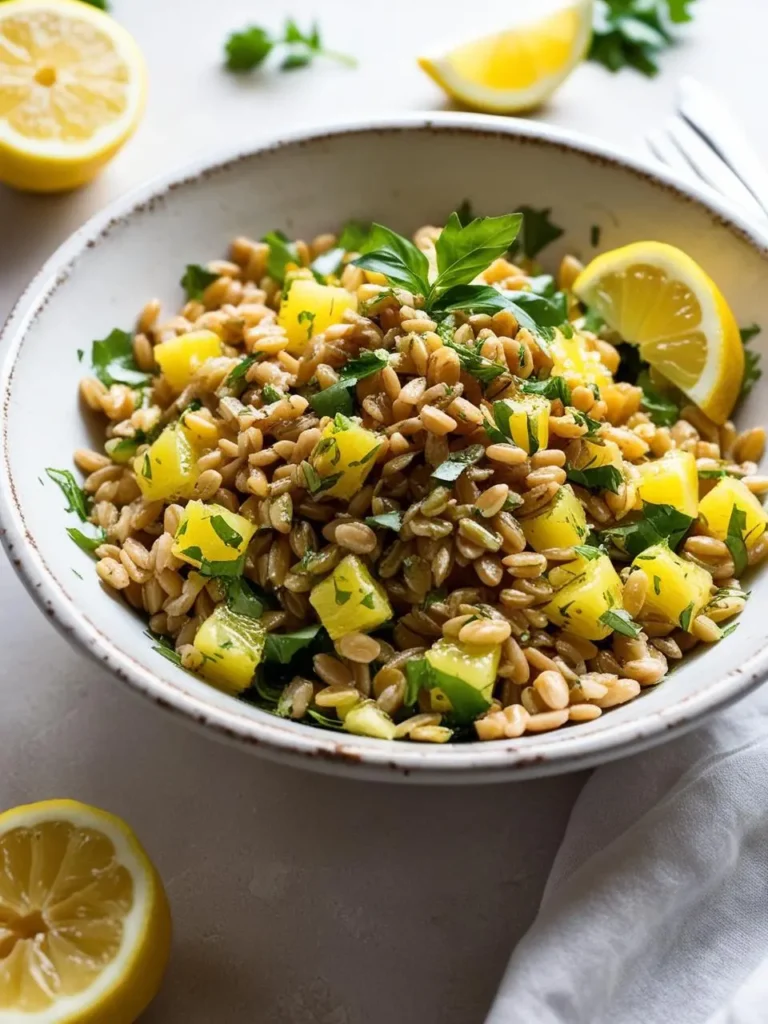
(84,922)
(660,299)
(72,90)
(517,69)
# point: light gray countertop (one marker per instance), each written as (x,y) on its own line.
(299,898)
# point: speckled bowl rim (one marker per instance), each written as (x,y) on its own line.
(567,750)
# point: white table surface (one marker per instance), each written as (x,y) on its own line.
(298,898)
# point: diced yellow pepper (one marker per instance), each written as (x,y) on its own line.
(594,454)
(367,719)
(350,600)
(213,533)
(168,469)
(584,590)
(467,675)
(343,457)
(232,646)
(309,308)
(561,524)
(181,357)
(529,421)
(576,362)
(716,507)
(678,589)
(671,480)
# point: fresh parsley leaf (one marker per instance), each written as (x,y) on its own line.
(752,371)
(416,678)
(386,520)
(196,279)
(735,540)
(282,254)
(593,426)
(226,534)
(281,647)
(227,568)
(397,258)
(621,622)
(500,431)
(632,33)
(657,524)
(164,647)
(316,484)
(588,551)
(245,598)
(464,251)
(249,48)
(271,394)
(86,543)
(663,410)
(353,237)
(450,470)
(365,365)
(338,397)
(340,596)
(718,474)
(596,478)
(239,372)
(685,617)
(77,500)
(551,388)
(537,231)
(113,362)
(306,316)
(534,312)
(324,721)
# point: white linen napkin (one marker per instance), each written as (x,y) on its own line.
(656,909)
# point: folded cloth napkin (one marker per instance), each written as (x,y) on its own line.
(656,909)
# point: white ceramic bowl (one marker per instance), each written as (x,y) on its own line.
(403,171)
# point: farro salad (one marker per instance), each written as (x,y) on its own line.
(421,489)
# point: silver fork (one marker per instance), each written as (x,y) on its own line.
(704,142)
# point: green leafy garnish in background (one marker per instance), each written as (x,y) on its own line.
(249,48)
(663,410)
(536,233)
(196,279)
(632,33)
(282,253)
(658,524)
(113,361)
(353,237)
(752,371)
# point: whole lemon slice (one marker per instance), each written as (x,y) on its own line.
(72,86)
(660,299)
(517,69)
(84,922)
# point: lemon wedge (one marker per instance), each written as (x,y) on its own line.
(660,299)
(517,69)
(72,86)
(84,922)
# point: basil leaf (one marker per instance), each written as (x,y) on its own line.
(77,500)
(464,251)
(196,279)
(735,540)
(537,231)
(596,478)
(281,647)
(113,362)
(457,462)
(85,543)
(282,253)
(245,598)
(386,520)
(658,524)
(472,298)
(397,258)
(621,622)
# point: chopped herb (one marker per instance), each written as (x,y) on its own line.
(341,422)
(86,543)
(365,365)
(551,388)
(353,237)
(338,397)
(657,524)
(476,365)
(77,500)
(367,457)
(341,596)
(597,478)
(416,678)
(632,33)
(593,426)
(249,48)
(196,279)
(752,371)
(164,647)
(146,467)
(230,568)
(283,255)
(621,622)
(316,484)
(735,539)
(271,394)
(537,231)
(436,596)
(113,361)
(657,585)
(728,630)
(245,598)
(457,462)
(369,601)
(306,316)
(242,368)
(718,474)
(80,354)
(593,321)
(230,537)
(594,235)
(663,410)
(386,520)
(512,502)
(500,431)
(588,551)
(324,721)
(281,647)
(685,617)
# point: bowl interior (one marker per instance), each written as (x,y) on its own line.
(404,176)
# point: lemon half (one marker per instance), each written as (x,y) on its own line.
(72,88)
(517,69)
(84,922)
(660,299)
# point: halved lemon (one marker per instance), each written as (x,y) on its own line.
(660,299)
(72,87)
(84,922)
(517,69)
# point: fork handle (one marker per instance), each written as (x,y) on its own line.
(706,112)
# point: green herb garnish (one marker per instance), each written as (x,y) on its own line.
(735,540)
(196,279)
(386,520)
(658,524)
(230,537)
(113,361)
(338,397)
(77,500)
(621,622)
(752,371)
(596,478)
(536,233)
(281,647)
(632,33)
(450,470)
(249,48)
(86,543)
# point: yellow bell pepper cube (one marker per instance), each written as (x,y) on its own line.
(309,308)
(232,646)
(213,534)
(342,458)
(601,463)
(678,589)
(528,421)
(168,469)
(585,589)
(180,358)
(561,524)
(671,480)
(716,507)
(576,362)
(350,600)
